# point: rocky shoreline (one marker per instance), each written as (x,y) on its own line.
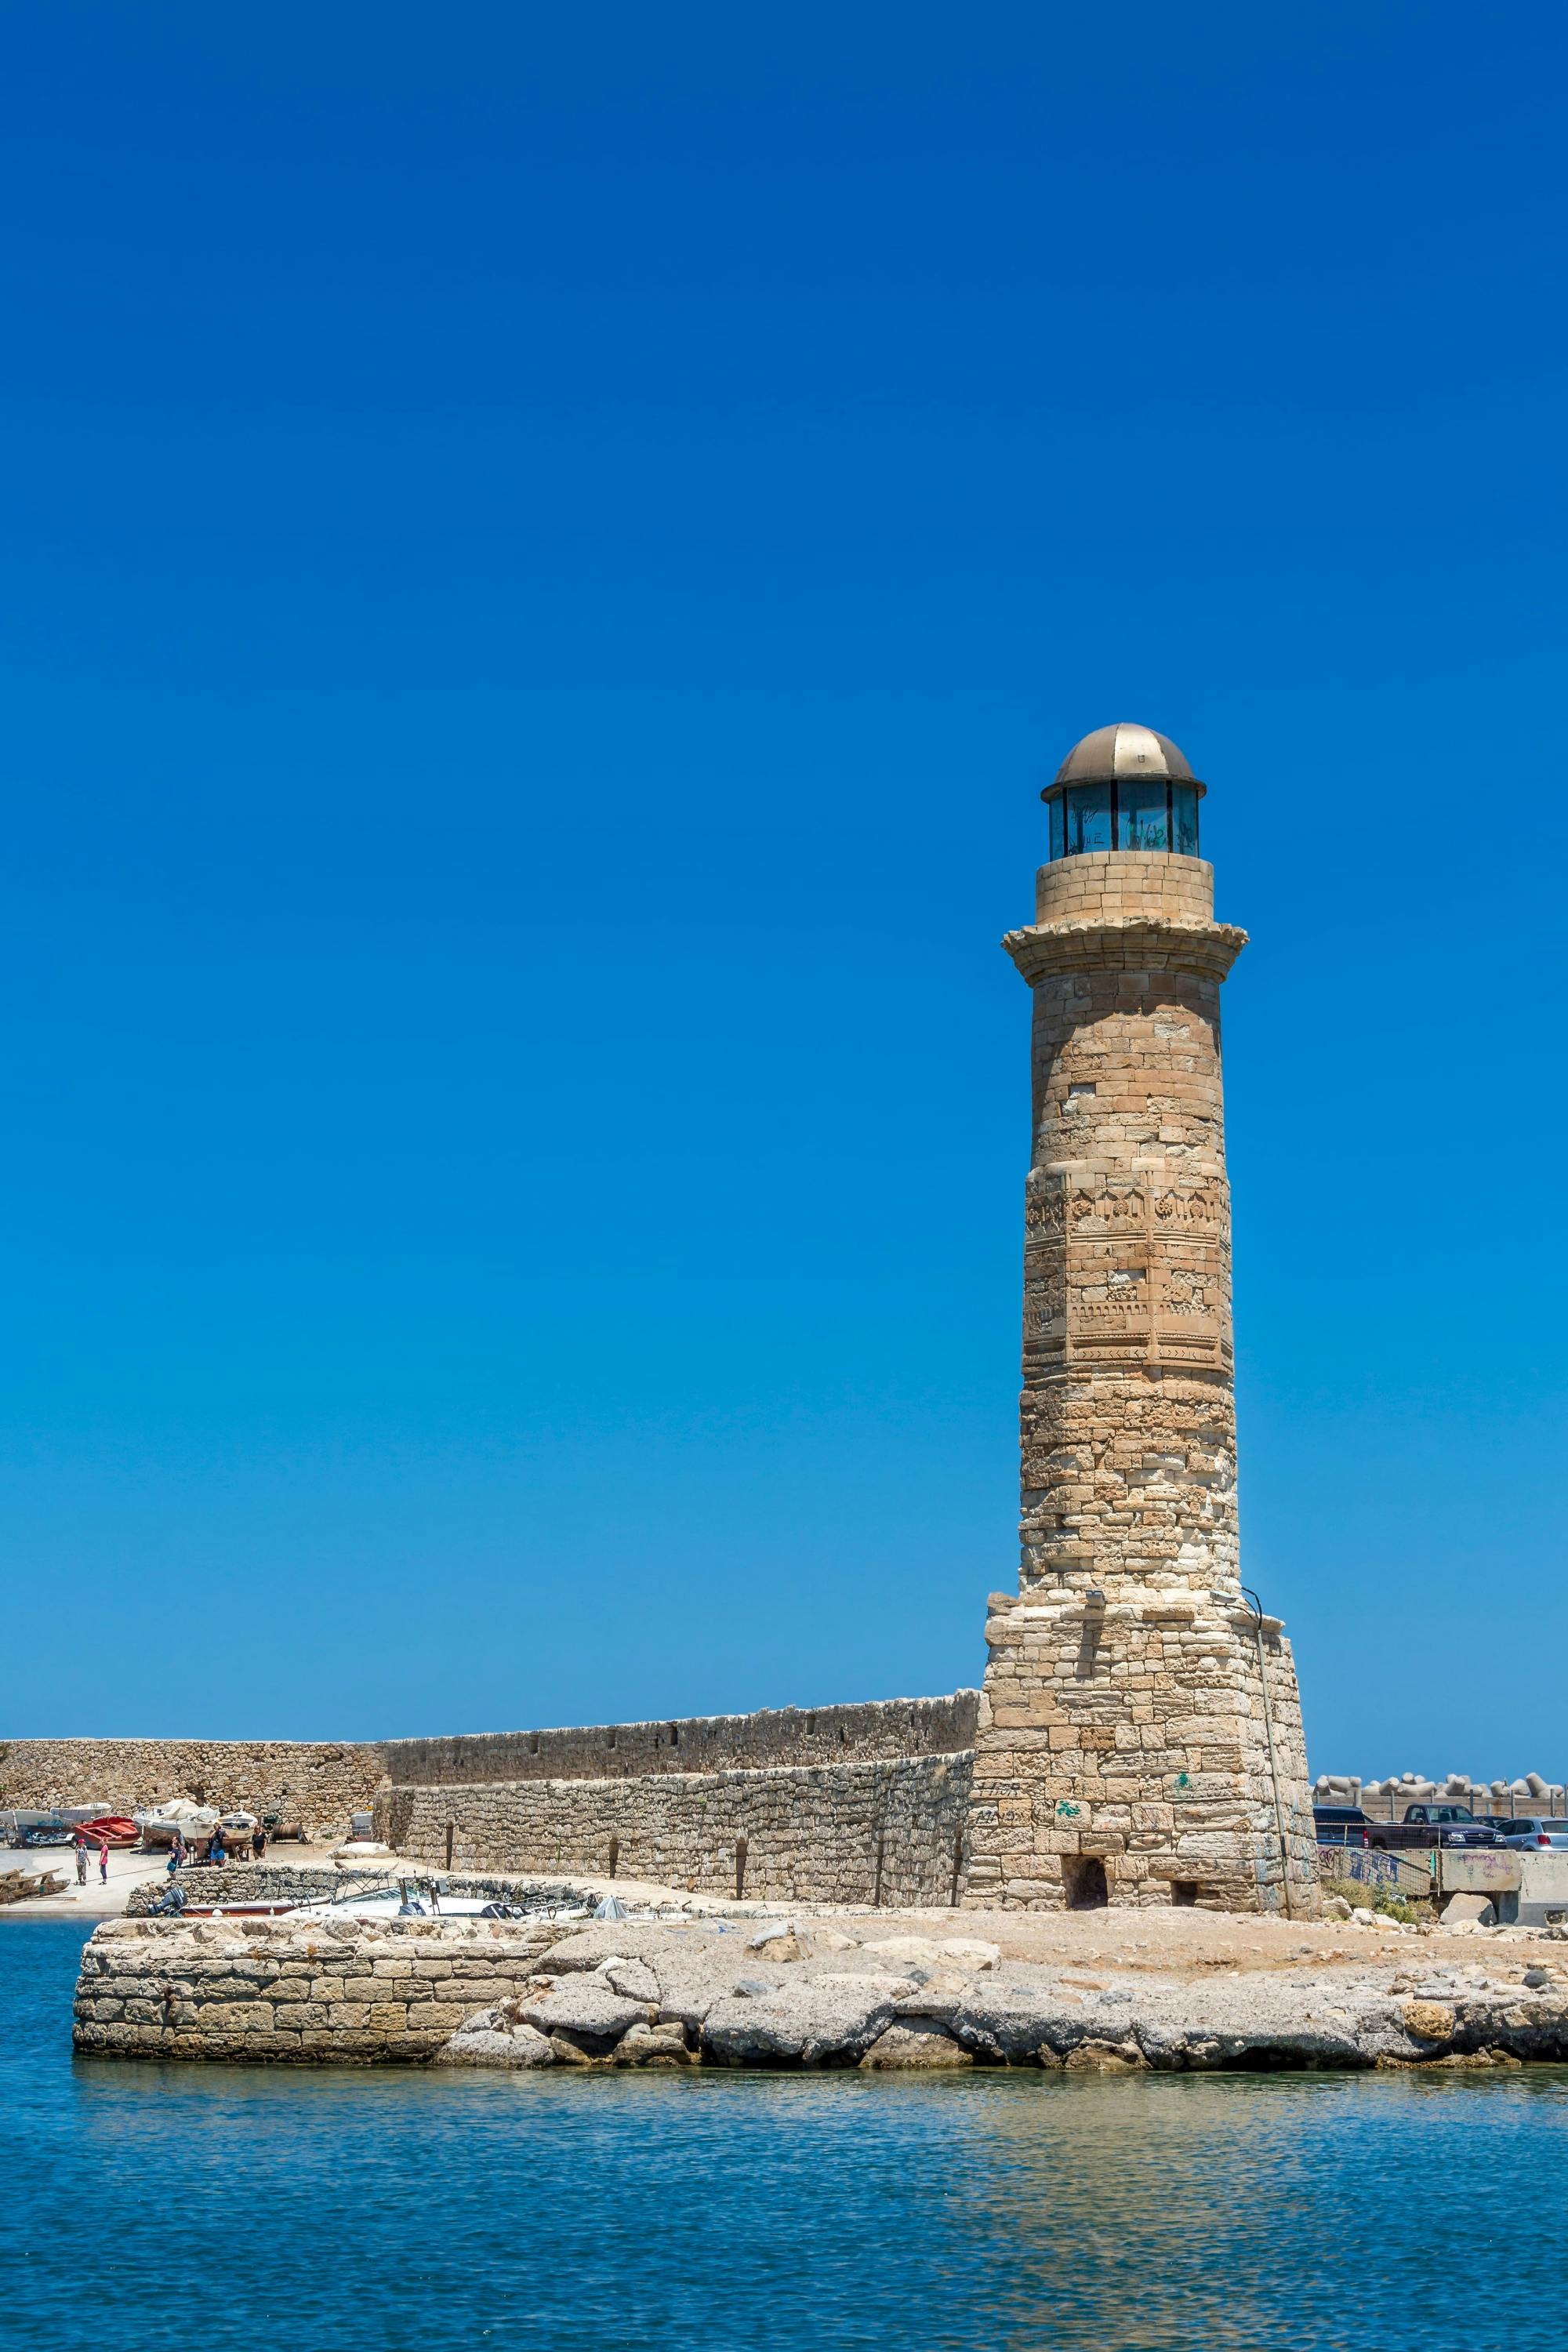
(745,1992)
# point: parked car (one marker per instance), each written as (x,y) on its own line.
(1341,1825)
(1428,1825)
(1530,1833)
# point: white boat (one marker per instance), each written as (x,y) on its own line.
(160,1824)
(411,1896)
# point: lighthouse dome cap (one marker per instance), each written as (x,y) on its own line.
(1124,750)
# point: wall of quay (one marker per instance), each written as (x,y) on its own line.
(249,1882)
(846,1803)
(253,1989)
(318,1782)
(884,1832)
(297,1992)
(879,1729)
(338,1776)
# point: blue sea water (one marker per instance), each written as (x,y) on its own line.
(143,2205)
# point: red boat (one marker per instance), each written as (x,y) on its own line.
(110,1829)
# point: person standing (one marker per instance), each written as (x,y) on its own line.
(80,1859)
(257,1843)
(103,1862)
(176,1853)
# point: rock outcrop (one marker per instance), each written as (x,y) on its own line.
(524,1994)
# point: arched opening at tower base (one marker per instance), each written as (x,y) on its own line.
(1084,1882)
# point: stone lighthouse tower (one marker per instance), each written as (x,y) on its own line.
(1140,1736)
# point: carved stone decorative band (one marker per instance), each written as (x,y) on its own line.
(1136,943)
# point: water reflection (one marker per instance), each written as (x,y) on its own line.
(987,2213)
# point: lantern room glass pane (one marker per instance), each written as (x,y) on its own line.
(1058,810)
(1089,818)
(1142,820)
(1184,814)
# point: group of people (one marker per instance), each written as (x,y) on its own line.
(180,1852)
(218,1848)
(217,1851)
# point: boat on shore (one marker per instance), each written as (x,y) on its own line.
(179,1817)
(410,1896)
(117,1830)
(22,1826)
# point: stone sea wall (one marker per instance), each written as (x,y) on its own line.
(876,1832)
(334,1995)
(881,1729)
(249,1882)
(837,1804)
(318,1782)
(338,1776)
(712,1992)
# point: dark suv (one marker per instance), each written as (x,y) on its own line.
(1427,1825)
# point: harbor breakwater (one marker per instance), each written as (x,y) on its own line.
(321,1783)
(879,1830)
(772,1993)
(835,1804)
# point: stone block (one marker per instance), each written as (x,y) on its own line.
(438,2017)
(295,2016)
(235,2016)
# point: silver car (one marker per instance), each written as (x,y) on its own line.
(1532,1835)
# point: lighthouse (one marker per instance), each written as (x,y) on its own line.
(1139,1738)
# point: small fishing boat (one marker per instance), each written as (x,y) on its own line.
(412,1896)
(108,1829)
(20,1826)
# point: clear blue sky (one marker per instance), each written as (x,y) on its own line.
(548,555)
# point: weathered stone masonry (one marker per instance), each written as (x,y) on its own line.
(320,1782)
(538,1991)
(335,1995)
(878,1832)
(1124,1749)
(834,1804)
(709,1743)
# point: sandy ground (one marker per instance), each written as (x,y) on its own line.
(1183,1945)
(1193,1945)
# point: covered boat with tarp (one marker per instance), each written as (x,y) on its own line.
(180,1816)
